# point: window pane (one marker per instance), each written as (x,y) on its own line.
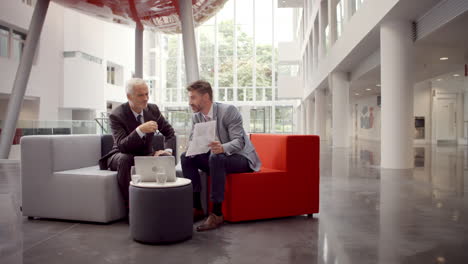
(172,45)
(226,38)
(268,94)
(244,72)
(240,94)
(244,27)
(259,94)
(226,74)
(244,12)
(249,94)
(174,95)
(244,40)
(230,94)
(17,44)
(221,94)
(3,45)
(263,22)
(207,69)
(171,73)
(226,29)
(168,95)
(284,117)
(206,36)
(264,64)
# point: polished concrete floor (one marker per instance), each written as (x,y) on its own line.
(368,215)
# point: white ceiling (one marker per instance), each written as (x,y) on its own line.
(451,40)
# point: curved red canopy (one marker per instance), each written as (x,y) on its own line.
(162,15)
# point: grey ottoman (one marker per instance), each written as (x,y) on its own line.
(161,213)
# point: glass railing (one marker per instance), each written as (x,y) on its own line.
(56,127)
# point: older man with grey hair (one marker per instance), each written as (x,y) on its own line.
(133,125)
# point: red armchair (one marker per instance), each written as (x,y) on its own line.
(286,185)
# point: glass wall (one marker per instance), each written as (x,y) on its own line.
(237,54)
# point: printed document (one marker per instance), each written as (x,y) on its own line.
(203,134)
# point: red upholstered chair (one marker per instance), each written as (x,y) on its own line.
(286,185)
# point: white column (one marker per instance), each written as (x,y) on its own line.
(347,11)
(22,77)
(396,51)
(320,120)
(339,84)
(188,39)
(332,21)
(139,51)
(310,115)
(323,21)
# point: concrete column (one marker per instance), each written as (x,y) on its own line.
(320,120)
(323,21)
(465,105)
(339,84)
(188,39)
(139,51)
(396,51)
(332,21)
(347,11)
(22,77)
(315,52)
(310,115)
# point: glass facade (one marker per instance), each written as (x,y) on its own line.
(237,54)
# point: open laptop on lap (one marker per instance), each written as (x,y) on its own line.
(147,166)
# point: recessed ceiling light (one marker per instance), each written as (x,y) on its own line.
(378,85)
(444,58)
(456,75)
(356,94)
(440,80)
(368,89)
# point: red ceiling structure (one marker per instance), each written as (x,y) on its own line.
(163,15)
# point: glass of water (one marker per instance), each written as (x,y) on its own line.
(161,176)
(135,177)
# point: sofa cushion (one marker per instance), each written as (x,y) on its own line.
(76,151)
(90,171)
(87,194)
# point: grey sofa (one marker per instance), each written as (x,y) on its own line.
(60,178)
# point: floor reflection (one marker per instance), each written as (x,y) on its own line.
(367,215)
(394,216)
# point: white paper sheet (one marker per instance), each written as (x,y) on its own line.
(203,134)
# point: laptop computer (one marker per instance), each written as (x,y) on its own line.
(147,166)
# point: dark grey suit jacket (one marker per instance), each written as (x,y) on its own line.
(231,133)
(126,140)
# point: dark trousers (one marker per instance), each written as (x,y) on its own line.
(217,166)
(122,163)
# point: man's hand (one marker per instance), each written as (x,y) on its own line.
(148,127)
(216,147)
(161,153)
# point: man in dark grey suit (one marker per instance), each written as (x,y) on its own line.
(231,152)
(133,126)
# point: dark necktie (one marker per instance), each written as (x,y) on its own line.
(140,120)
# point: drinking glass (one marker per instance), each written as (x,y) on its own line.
(161,176)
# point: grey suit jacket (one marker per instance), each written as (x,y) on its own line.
(231,133)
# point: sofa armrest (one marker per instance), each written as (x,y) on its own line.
(36,171)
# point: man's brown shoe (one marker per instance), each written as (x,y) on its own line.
(212,222)
(198,215)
